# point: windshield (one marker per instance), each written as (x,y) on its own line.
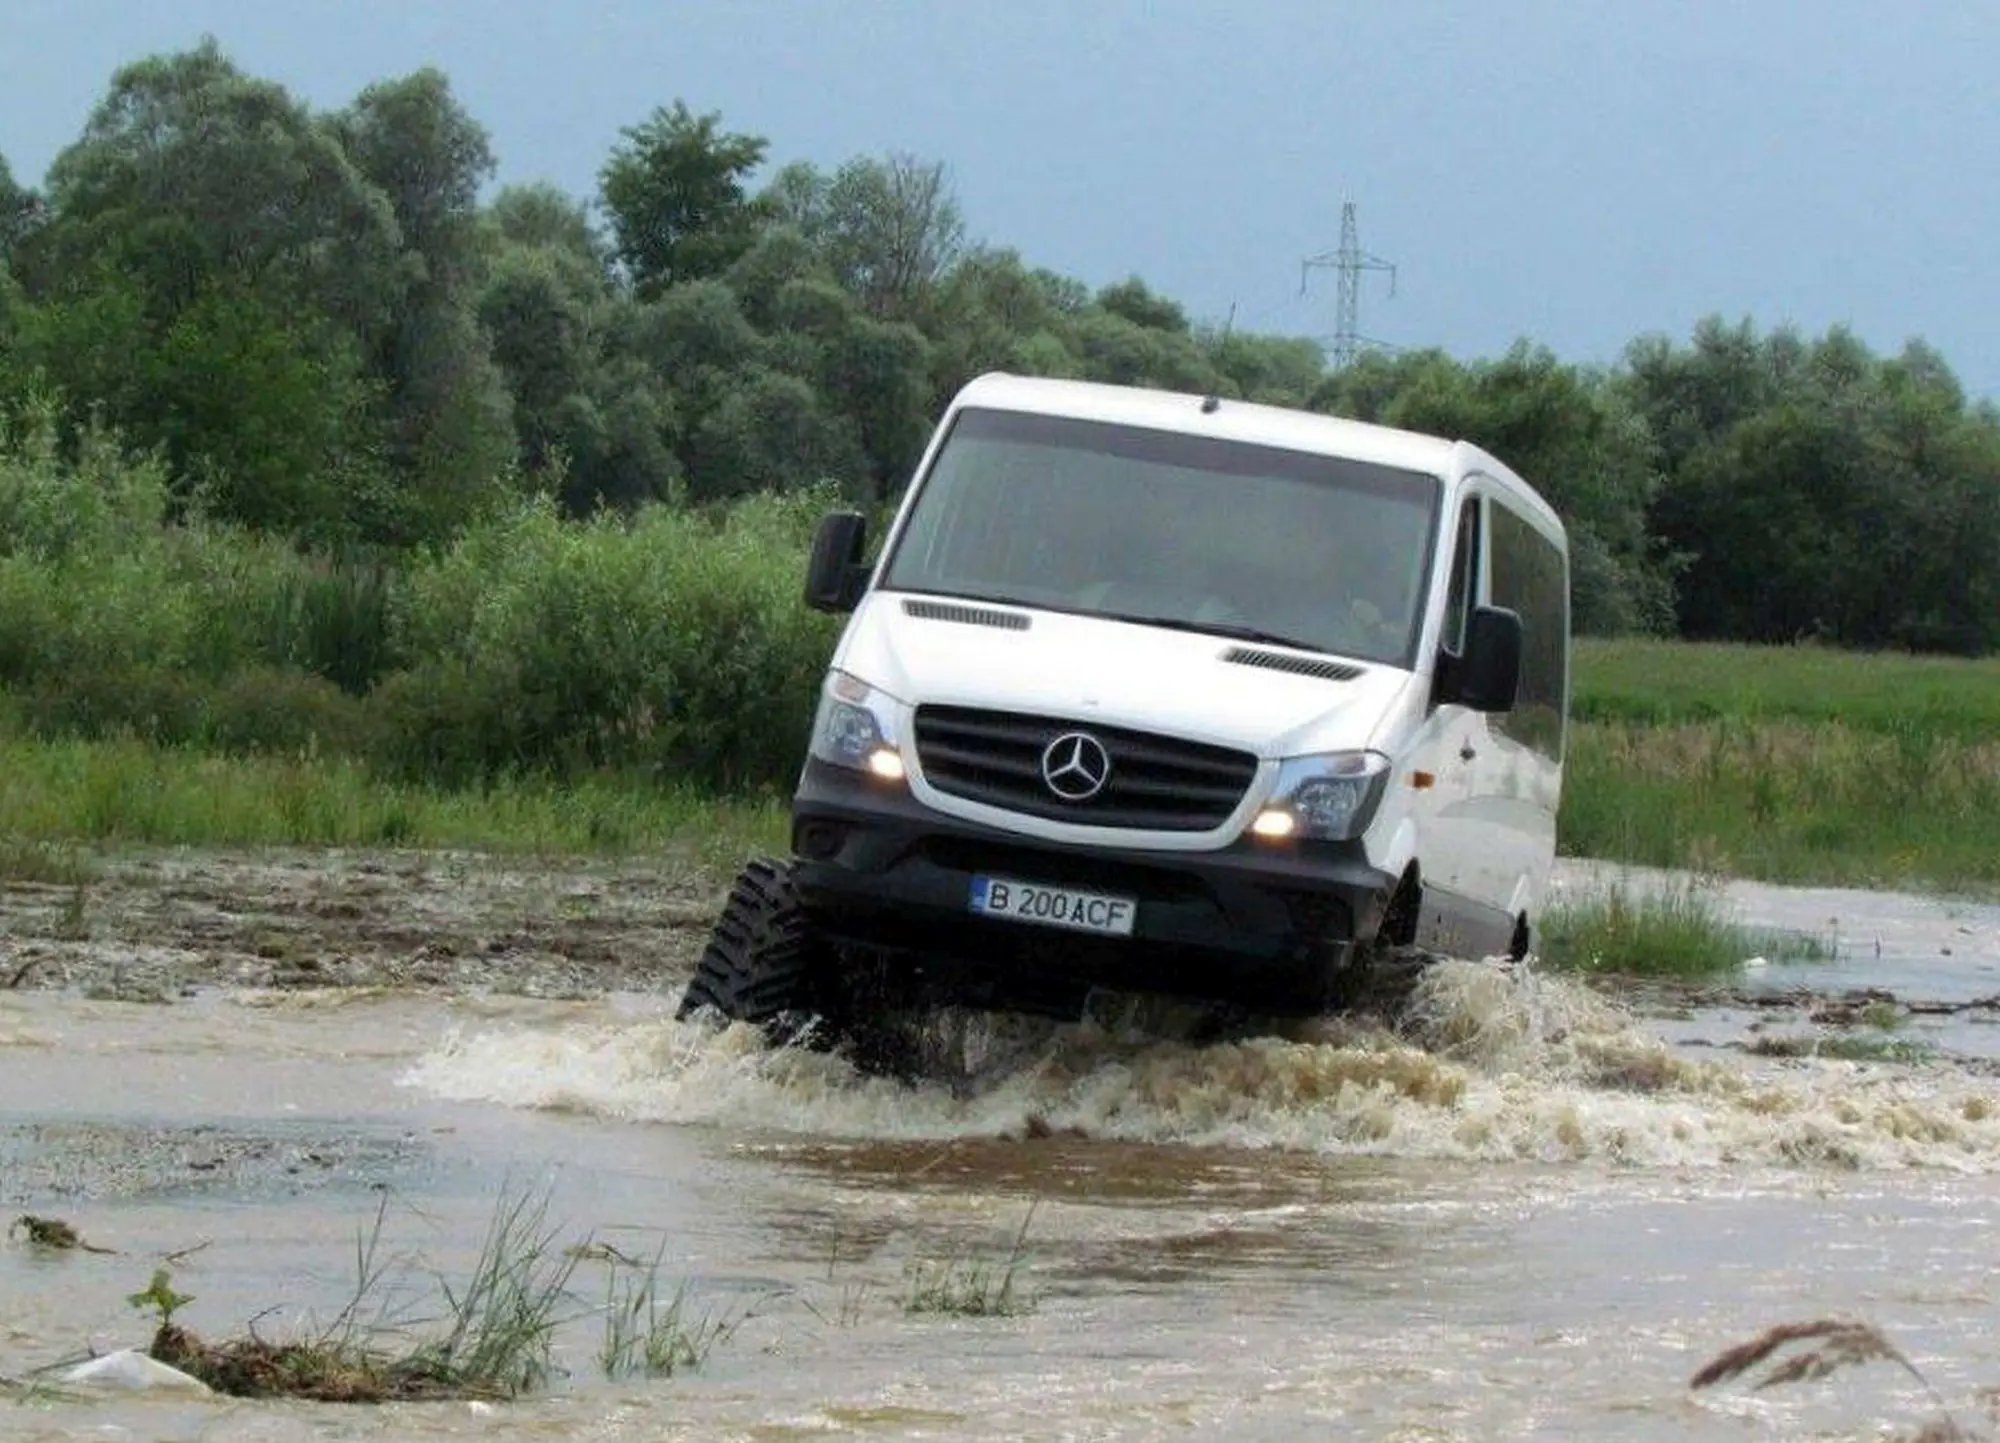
(1320,552)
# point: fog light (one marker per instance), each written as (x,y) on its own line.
(819,840)
(1275,825)
(886,764)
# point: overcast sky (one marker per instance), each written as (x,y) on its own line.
(1578,173)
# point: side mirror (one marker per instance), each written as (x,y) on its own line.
(1487,676)
(836,577)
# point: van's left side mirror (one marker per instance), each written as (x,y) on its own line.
(836,576)
(1487,676)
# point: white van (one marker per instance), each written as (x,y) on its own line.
(1165,693)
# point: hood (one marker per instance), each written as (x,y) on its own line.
(1116,674)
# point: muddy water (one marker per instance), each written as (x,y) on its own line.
(1527,1213)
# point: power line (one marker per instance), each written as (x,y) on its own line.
(1350,261)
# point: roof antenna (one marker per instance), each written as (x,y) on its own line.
(1211,404)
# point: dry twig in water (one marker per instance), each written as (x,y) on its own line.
(1835,1345)
(53,1233)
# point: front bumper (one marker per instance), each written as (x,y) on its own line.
(1269,927)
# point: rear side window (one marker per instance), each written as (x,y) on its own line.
(1529,576)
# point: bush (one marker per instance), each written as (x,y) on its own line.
(277,710)
(262,602)
(96,503)
(671,642)
(156,704)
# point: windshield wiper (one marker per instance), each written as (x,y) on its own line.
(1216,628)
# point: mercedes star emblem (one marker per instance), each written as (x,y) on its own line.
(1076,766)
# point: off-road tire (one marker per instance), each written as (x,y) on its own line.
(762,964)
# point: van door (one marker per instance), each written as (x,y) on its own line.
(1448,852)
(1517,788)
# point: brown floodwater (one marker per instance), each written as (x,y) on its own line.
(1531,1213)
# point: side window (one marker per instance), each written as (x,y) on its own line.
(1530,577)
(1464,593)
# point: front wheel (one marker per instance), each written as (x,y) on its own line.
(763,964)
(1383,972)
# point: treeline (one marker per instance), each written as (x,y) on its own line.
(325,336)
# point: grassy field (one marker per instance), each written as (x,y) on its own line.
(1663,683)
(1787,764)
(113,793)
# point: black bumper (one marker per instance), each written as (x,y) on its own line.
(1270,927)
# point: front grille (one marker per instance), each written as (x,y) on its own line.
(1155,783)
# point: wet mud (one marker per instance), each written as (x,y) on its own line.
(1511,1206)
(153,926)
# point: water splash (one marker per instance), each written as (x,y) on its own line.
(1484,1062)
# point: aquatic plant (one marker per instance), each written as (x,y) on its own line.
(971,1287)
(496,1342)
(647,1336)
(1677,929)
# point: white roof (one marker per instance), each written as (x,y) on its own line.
(1233,420)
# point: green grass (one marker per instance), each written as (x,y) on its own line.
(55,795)
(48,864)
(1679,931)
(494,1337)
(1789,764)
(647,1334)
(971,1287)
(1659,683)
(1845,1048)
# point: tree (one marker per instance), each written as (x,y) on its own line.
(17,210)
(209,268)
(539,313)
(189,170)
(892,228)
(887,229)
(602,422)
(1136,302)
(1573,436)
(260,409)
(1117,349)
(1692,396)
(780,256)
(429,157)
(768,432)
(540,214)
(450,427)
(675,193)
(627,455)
(873,372)
(13,219)
(986,310)
(1282,370)
(1857,505)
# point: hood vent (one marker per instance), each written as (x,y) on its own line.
(965,615)
(1297,665)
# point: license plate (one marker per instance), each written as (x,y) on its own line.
(1053,906)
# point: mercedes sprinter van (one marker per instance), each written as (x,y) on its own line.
(1165,693)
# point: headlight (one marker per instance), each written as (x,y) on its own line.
(856,727)
(1324,798)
